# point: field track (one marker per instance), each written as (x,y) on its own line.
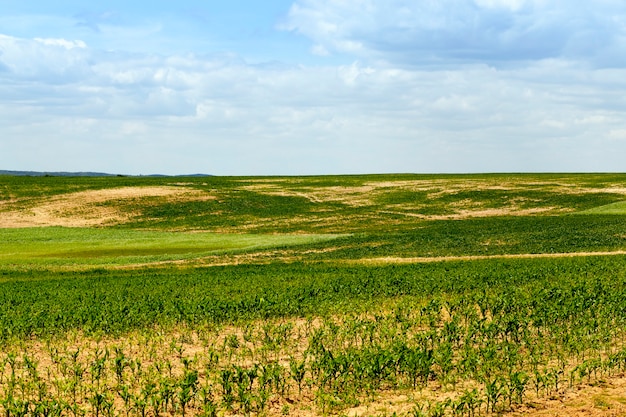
(419,260)
(265,258)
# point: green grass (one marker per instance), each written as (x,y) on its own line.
(488,236)
(30,188)
(614,208)
(55,246)
(47,302)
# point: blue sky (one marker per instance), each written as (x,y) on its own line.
(313,86)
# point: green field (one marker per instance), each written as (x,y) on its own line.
(615,208)
(420,295)
(71,247)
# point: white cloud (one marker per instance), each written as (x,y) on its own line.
(618,135)
(350,74)
(46,59)
(140,113)
(450,31)
(64,43)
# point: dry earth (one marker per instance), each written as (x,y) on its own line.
(104,207)
(289,256)
(366,194)
(90,208)
(416,260)
(603,398)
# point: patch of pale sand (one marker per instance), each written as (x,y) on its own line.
(364,195)
(256,258)
(469,213)
(508,211)
(355,196)
(445,186)
(401,404)
(352,196)
(454,185)
(441,187)
(450,185)
(290,256)
(87,208)
(587,190)
(607,399)
(424,259)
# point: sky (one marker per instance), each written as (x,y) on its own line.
(307,87)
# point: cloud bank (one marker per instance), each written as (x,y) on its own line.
(450,32)
(447,86)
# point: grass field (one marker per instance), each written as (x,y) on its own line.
(419,295)
(45,247)
(615,208)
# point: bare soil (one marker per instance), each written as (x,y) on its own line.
(367,194)
(90,208)
(415,260)
(604,399)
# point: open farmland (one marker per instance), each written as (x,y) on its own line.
(420,295)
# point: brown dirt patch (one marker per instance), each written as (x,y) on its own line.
(351,196)
(605,399)
(256,343)
(368,193)
(415,260)
(288,256)
(469,213)
(90,208)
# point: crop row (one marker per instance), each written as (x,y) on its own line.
(484,354)
(491,334)
(36,303)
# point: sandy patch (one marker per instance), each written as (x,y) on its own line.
(415,260)
(468,213)
(351,196)
(368,193)
(213,348)
(290,256)
(90,208)
(605,399)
